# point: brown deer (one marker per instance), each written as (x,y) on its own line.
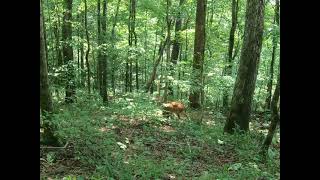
(173,107)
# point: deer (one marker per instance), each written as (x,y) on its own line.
(174,107)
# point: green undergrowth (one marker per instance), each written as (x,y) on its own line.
(129,139)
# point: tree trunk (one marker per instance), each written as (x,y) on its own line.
(228,68)
(185,58)
(154,57)
(78,48)
(56,32)
(67,51)
(176,45)
(176,42)
(145,56)
(127,77)
(95,72)
(104,55)
(57,45)
(275,118)
(99,39)
(165,95)
(45,35)
(113,47)
(82,74)
(88,49)
(274,48)
(248,68)
(129,64)
(130,77)
(132,37)
(198,55)
(154,71)
(135,41)
(45,95)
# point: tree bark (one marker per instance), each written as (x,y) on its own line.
(275,118)
(45,95)
(56,33)
(67,51)
(228,68)
(198,55)
(165,95)
(45,34)
(132,37)
(176,42)
(88,49)
(274,48)
(176,45)
(135,41)
(127,77)
(113,47)
(154,71)
(78,45)
(129,60)
(99,38)
(185,57)
(154,57)
(249,62)
(145,56)
(82,74)
(104,55)
(57,45)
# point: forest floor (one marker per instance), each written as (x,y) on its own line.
(129,139)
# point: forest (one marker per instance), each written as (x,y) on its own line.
(167,89)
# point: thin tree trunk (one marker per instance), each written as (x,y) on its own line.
(82,74)
(95,71)
(132,37)
(185,52)
(145,56)
(68,51)
(274,49)
(154,71)
(88,49)
(135,40)
(127,77)
(176,42)
(45,95)
(57,45)
(176,45)
(275,118)
(130,77)
(160,80)
(58,51)
(228,68)
(165,95)
(113,47)
(78,52)
(45,35)
(104,56)
(56,32)
(99,64)
(129,62)
(155,47)
(154,57)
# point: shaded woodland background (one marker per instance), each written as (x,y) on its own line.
(106,66)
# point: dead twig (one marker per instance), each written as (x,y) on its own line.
(52,147)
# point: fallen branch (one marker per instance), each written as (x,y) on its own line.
(52,147)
